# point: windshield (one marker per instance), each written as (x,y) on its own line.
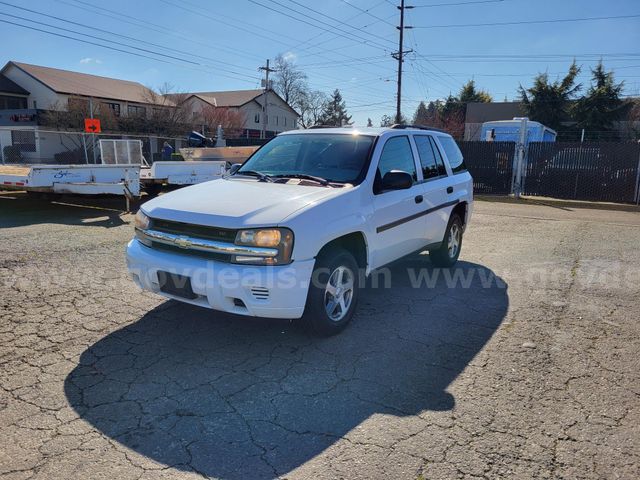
(334,157)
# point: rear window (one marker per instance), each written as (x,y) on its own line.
(454,154)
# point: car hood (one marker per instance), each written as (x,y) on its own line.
(237,203)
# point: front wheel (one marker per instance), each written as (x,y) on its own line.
(447,254)
(333,293)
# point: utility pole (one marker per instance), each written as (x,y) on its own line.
(398,55)
(265,100)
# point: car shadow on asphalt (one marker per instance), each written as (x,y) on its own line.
(235,397)
(20,209)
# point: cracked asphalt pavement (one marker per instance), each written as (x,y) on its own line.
(523,362)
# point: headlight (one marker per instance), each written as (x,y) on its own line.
(141,221)
(280,238)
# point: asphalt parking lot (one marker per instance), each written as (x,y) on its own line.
(521,363)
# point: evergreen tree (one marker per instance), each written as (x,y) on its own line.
(335,111)
(469,94)
(369,122)
(421,117)
(550,103)
(597,111)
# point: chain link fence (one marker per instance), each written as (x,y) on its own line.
(490,164)
(36,146)
(597,171)
(592,171)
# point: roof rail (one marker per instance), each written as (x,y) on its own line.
(313,127)
(402,126)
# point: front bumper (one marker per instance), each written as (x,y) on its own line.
(264,291)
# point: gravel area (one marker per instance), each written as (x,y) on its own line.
(523,362)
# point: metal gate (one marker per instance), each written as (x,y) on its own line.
(490,165)
(598,171)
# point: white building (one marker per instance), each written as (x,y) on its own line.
(44,88)
(280,116)
(26,91)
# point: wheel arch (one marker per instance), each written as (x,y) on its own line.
(354,242)
(461,210)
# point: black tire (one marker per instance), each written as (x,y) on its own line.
(328,266)
(444,256)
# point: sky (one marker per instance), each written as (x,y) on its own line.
(211,45)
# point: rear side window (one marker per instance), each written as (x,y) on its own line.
(453,154)
(430,158)
(397,155)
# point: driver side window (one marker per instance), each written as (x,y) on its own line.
(396,155)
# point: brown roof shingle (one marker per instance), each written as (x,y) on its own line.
(233,98)
(75,83)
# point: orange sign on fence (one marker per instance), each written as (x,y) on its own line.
(92,125)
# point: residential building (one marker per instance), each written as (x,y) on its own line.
(280,116)
(32,95)
(28,91)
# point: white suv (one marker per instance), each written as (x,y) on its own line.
(294,231)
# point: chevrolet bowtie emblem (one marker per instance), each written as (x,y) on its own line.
(183,242)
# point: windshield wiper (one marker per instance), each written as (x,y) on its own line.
(263,177)
(304,176)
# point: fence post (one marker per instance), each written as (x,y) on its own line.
(637,193)
(516,186)
(84,144)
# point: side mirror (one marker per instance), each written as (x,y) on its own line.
(397,180)
(234,168)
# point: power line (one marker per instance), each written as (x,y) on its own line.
(114,34)
(332,18)
(342,33)
(473,2)
(367,11)
(530,22)
(128,18)
(109,47)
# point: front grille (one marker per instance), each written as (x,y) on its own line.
(197,231)
(221,257)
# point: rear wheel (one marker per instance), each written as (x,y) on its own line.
(333,293)
(447,254)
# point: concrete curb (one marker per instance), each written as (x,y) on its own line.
(555,202)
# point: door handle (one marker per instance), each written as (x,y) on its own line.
(449,189)
(418,199)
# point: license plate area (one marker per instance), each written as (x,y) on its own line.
(174,284)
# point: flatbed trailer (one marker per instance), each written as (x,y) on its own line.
(180,173)
(78,179)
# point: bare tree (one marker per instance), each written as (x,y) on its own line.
(170,112)
(310,107)
(289,82)
(232,121)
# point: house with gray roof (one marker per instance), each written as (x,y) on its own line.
(279,117)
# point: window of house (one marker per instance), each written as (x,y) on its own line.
(456,160)
(25,140)
(114,107)
(136,111)
(285,121)
(256,118)
(277,119)
(396,155)
(8,102)
(35,105)
(430,158)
